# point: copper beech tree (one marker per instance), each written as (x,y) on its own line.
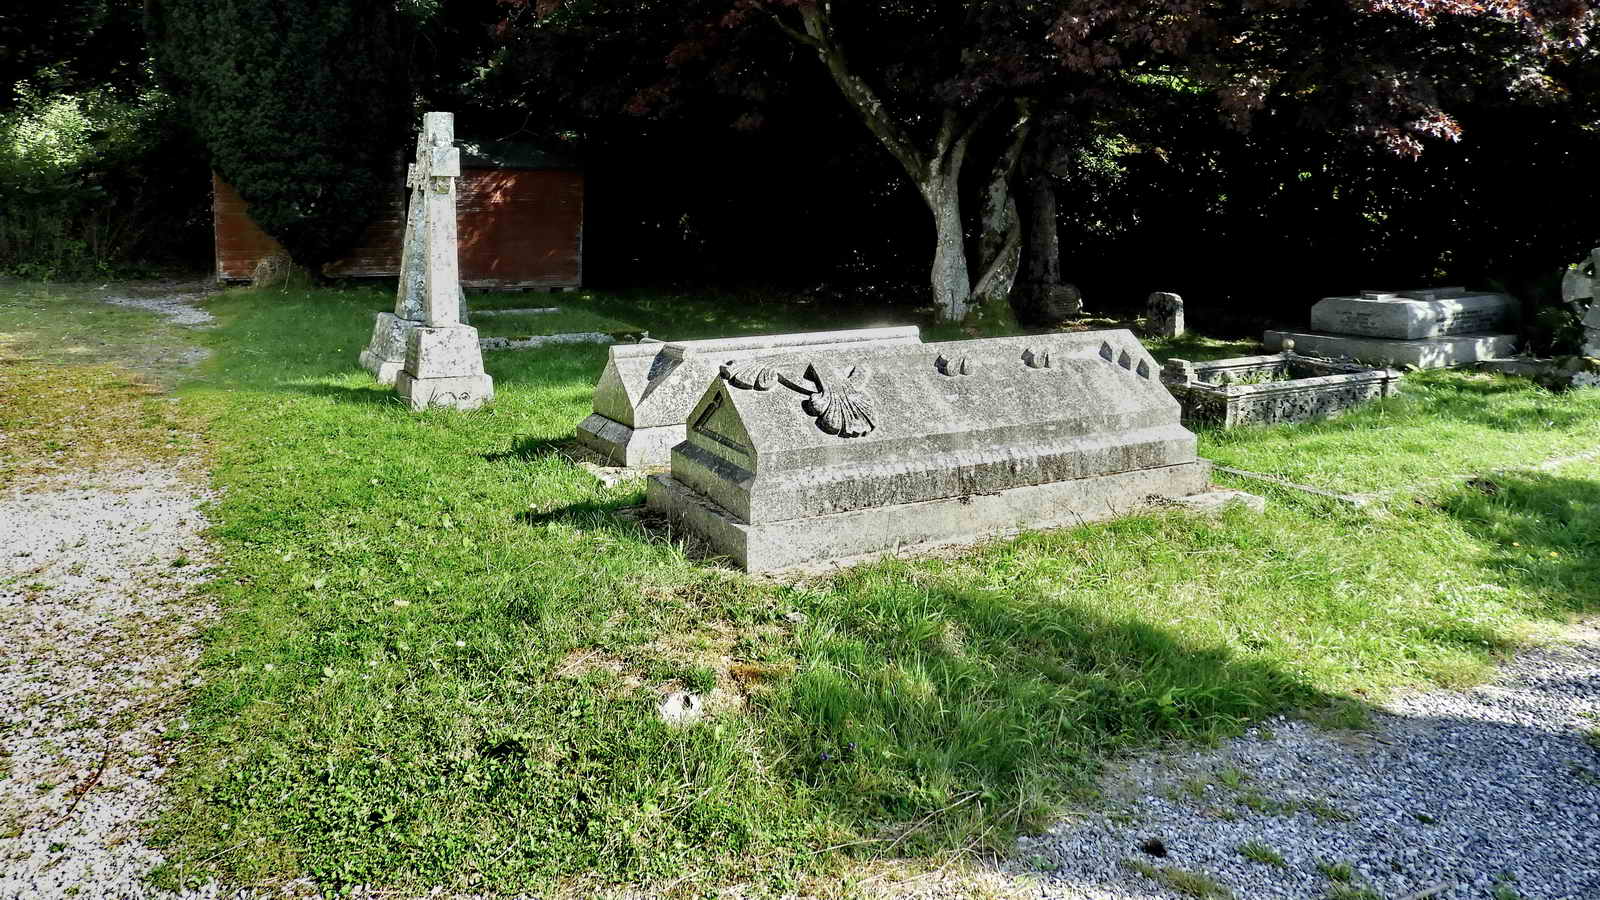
(963,94)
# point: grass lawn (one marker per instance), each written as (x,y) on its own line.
(441,644)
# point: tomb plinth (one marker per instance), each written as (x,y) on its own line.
(1427,328)
(647,390)
(443,361)
(833,455)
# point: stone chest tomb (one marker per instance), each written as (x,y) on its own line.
(1275,389)
(647,390)
(830,454)
(1427,327)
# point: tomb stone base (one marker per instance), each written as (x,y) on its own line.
(385,355)
(1426,353)
(624,445)
(861,534)
(452,392)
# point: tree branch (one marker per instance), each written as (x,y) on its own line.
(818,20)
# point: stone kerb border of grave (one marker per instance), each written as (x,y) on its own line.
(836,456)
(1273,389)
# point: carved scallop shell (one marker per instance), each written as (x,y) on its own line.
(1144,369)
(1106,353)
(842,409)
(945,366)
(753,374)
(1125,360)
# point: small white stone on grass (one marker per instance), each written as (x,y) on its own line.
(681,708)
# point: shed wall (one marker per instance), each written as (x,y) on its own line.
(516,228)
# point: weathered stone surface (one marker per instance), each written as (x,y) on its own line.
(1591,330)
(647,389)
(1268,390)
(860,535)
(1164,312)
(448,352)
(832,454)
(1578,285)
(385,355)
(461,392)
(537,341)
(443,361)
(1433,353)
(1416,314)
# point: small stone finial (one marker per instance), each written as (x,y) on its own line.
(1288,345)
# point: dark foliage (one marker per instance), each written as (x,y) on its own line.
(301,104)
(77,44)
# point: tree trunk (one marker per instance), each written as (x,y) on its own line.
(936,171)
(1041,297)
(999,247)
(1044,244)
(952,286)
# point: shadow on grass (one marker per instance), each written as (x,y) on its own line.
(369,395)
(938,710)
(530,449)
(1543,531)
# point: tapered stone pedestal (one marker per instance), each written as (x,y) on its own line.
(444,368)
(385,355)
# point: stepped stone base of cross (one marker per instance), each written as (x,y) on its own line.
(444,367)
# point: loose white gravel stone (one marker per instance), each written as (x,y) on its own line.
(1496,788)
(98,618)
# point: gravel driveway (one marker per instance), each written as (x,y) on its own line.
(98,619)
(1489,793)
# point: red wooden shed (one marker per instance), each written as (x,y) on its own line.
(519,224)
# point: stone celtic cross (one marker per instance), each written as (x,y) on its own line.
(434,174)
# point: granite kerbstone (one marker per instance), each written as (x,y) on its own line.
(1433,353)
(1416,314)
(647,389)
(831,454)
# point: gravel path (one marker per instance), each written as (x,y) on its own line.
(1489,793)
(98,620)
(173,301)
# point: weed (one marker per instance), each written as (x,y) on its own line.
(1336,871)
(1181,881)
(1231,777)
(1327,812)
(1256,851)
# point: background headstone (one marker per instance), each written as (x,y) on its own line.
(1164,311)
